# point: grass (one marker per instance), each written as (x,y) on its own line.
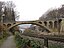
(26,41)
(56,46)
(35,43)
(1,41)
(3,37)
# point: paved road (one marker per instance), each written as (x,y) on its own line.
(9,43)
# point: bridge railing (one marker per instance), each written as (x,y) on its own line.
(48,38)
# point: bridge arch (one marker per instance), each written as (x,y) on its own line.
(40,22)
(50,24)
(55,24)
(45,23)
(8,25)
(4,24)
(34,23)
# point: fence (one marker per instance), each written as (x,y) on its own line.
(50,40)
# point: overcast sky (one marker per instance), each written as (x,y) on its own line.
(33,9)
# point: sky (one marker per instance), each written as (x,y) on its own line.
(33,9)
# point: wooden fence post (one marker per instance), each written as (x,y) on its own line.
(45,42)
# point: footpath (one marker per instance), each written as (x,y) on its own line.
(9,43)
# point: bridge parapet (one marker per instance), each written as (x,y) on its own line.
(49,25)
(39,23)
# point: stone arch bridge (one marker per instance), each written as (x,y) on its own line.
(49,25)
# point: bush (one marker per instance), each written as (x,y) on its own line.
(25,42)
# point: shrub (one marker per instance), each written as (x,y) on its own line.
(24,42)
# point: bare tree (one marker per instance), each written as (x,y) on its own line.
(10,14)
(53,14)
(1,3)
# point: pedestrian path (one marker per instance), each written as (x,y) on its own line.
(9,43)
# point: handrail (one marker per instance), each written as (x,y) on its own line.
(49,37)
(46,38)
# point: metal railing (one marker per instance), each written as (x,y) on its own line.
(47,38)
